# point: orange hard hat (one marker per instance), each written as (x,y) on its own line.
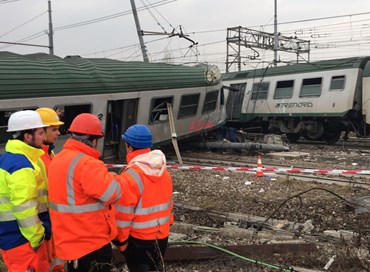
(87,124)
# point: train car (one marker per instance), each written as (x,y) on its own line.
(320,101)
(119,93)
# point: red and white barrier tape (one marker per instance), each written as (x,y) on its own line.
(267,170)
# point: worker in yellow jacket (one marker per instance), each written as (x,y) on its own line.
(24,216)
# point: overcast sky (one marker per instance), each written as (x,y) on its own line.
(205,21)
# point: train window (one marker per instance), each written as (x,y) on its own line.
(311,87)
(188,105)
(238,87)
(68,112)
(222,97)
(337,83)
(284,89)
(4,117)
(158,110)
(210,101)
(260,90)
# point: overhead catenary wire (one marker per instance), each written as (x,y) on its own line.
(7,1)
(29,38)
(326,26)
(121,51)
(185,48)
(108,17)
(17,27)
(160,14)
(111,16)
(316,19)
(338,31)
(153,16)
(120,48)
(321,44)
(210,31)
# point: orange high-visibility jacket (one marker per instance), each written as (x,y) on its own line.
(48,156)
(80,193)
(57,265)
(145,209)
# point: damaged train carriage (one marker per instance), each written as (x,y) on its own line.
(119,93)
(320,101)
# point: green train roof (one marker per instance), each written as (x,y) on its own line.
(42,75)
(356,62)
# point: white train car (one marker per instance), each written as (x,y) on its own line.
(366,93)
(318,100)
(119,93)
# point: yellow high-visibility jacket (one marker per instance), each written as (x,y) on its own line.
(24,215)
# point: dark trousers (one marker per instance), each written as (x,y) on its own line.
(145,255)
(98,260)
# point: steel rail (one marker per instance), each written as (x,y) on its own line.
(348,180)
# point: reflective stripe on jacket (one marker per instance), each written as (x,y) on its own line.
(145,209)
(80,193)
(23,196)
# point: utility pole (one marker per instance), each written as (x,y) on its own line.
(276,39)
(50,34)
(139,32)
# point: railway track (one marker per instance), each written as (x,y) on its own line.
(352,142)
(354,180)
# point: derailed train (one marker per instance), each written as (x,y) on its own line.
(119,93)
(319,101)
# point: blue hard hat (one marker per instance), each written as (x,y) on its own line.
(138,136)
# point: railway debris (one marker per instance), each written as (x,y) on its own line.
(228,212)
(360,205)
(249,146)
(182,253)
(195,251)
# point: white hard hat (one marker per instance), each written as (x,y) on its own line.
(24,120)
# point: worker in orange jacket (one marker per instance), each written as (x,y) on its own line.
(81,191)
(50,118)
(144,212)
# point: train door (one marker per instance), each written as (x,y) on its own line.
(120,115)
(235,101)
(366,97)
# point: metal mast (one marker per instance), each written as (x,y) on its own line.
(139,32)
(276,39)
(242,37)
(50,34)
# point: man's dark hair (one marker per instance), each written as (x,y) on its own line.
(19,135)
(86,139)
(133,148)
